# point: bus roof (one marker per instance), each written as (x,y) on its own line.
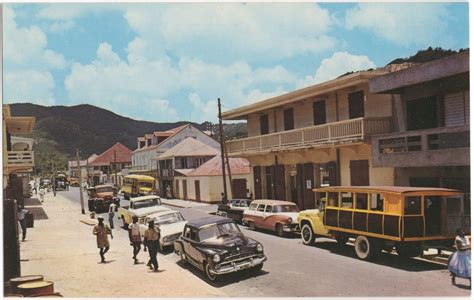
(388,189)
(135,176)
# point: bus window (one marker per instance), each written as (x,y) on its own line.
(376,202)
(361,201)
(347,200)
(333,199)
(413,205)
(453,205)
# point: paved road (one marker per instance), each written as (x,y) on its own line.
(325,269)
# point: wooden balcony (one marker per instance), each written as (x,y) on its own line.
(20,161)
(348,131)
(444,146)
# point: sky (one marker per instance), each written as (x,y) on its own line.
(166,62)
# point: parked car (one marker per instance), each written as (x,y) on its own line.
(73,181)
(171,224)
(409,219)
(234,209)
(216,246)
(140,207)
(276,215)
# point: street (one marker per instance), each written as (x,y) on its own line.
(326,269)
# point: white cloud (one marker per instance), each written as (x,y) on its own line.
(338,64)
(28,63)
(29,86)
(121,84)
(70,11)
(60,27)
(234,31)
(419,24)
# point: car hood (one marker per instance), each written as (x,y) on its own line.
(140,212)
(230,242)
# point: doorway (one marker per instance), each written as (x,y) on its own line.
(257,182)
(185,190)
(356,105)
(197,189)
(359,172)
(239,188)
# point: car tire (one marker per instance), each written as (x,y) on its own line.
(210,276)
(279,230)
(366,248)
(251,225)
(307,234)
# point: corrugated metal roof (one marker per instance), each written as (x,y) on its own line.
(213,167)
(122,153)
(189,147)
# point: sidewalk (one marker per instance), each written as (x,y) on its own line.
(63,250)
(206,207)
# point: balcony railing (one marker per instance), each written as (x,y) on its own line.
(444,146)
(348,130)
(21,159)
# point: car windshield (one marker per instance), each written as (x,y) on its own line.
(285,208)
(215,231)
(146,203)
(107,189)
(169,218)
(146,184)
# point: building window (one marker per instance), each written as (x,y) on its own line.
(288,116)
(319,112)
(264,124)
(356,105)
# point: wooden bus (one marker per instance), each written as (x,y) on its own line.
(408,219)
(138,185)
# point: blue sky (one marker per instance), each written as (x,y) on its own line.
(166,62)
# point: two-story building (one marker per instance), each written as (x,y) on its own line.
(108,165)
(18,158)
(316,136)
(181,159)
(153,145)
(430,142)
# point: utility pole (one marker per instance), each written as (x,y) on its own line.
(115,167)
(221,132)
(230,174)
(54,178)
(80,182)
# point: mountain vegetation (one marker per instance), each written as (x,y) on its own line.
(60,130)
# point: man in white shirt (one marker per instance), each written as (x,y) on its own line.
(135,239)
(112,208)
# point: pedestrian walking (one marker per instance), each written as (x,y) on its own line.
(42,192)
(112,214)
(21,218)
(152,242)
(223,200)
(135,240)
(249,194)
(459,263)
(101,230)
(168,192)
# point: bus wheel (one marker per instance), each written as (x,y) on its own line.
(408,250)
(307,234)
(365,248)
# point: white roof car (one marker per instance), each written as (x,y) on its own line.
(170,222)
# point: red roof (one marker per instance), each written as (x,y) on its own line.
(213,167)
(122,153)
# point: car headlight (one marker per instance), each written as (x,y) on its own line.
(290,220)
(216,258)
(259,248)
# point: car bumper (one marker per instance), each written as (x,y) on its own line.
(291,228)
(237,266)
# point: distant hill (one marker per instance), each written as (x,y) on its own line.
(62,129)
(427,55)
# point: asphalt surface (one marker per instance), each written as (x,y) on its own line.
(325,269)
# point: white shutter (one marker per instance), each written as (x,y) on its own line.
(454,109)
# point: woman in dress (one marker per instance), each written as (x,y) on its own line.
(460,261)
(101,230)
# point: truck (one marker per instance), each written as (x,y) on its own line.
(140,207)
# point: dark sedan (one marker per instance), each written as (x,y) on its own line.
(234,209)
(217,246)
